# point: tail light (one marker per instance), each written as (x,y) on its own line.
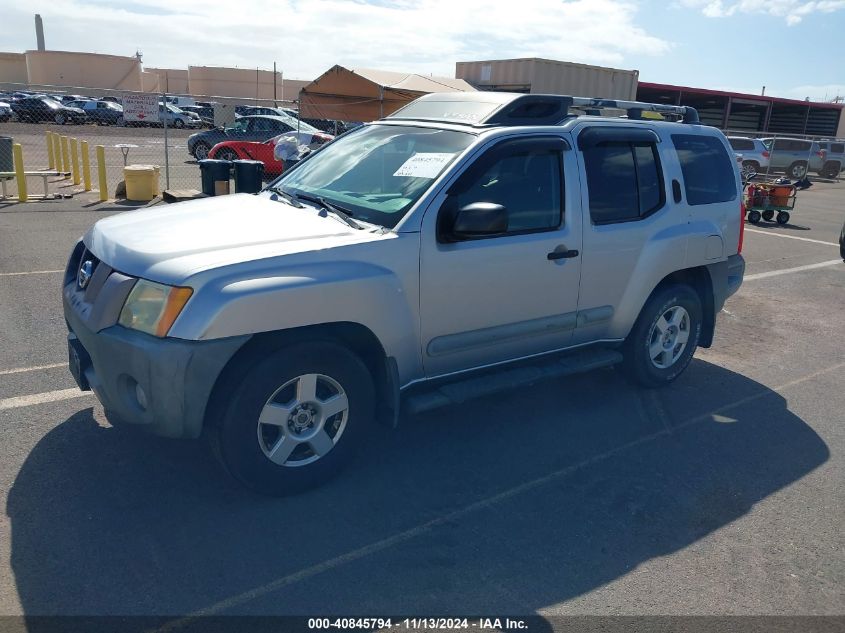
(750,190)
(765,154)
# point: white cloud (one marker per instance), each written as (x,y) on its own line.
(793,11)
(308,37)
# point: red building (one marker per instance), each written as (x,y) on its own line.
(752,113)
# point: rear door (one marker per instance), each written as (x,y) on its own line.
(624,195)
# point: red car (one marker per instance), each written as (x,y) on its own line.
(263,150)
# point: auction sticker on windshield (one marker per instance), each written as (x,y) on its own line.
(424,165)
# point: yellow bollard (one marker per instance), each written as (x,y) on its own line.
(86,166)
(74,160)
(19,175)
(101,168)
(57,152)
(51,160)
(65,157)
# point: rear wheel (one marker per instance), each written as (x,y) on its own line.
(831,169)
(296,418)
(60,119)
(750,169)
(797,170)
(783,217)
(663,340)
(178,124)
(768,215)
(201,150)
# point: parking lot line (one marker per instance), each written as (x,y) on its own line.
(32,272)
(790,237)
(411,533)
(21,370)
(41,398)
(788,271)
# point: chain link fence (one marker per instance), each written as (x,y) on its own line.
(74,140)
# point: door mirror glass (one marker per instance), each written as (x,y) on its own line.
(480,219)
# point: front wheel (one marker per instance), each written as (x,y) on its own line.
(663,340)
(754,216)
(783,217)
(768,215)
(60,119)
(201,150)
(296,418)
(178,124)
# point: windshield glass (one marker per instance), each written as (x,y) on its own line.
(299,126)
(378,171)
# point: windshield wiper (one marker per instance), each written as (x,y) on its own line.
(292,199)
(339,212)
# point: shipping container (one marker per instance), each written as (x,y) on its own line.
(546,76)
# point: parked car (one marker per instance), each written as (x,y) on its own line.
(842,243)
(68,98)
(176,118)
(432,249)
(110,98)
(265,151)
(794,156)
(205,113)
(834,159)
(5,112)
(242,110)
(39,109)
(755,155)
(246,128)
(103,112)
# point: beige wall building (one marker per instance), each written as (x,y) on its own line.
(13,68)
(173,80)
(90,70)
(547,76)
(234,82)
(291,88)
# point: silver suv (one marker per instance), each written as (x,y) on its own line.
(381,274)
(755,155)
(794,156)
(834,157)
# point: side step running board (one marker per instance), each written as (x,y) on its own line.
(476,387)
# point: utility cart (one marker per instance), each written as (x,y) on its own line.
(769,200)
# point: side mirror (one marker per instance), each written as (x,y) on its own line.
(480,219)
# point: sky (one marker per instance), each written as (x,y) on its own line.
(794,48)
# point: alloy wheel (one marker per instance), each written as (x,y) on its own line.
(668,337)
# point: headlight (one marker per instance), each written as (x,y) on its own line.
(152,307)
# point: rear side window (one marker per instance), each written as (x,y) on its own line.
(741,144)
(707,168)
(624,181)
(837,148)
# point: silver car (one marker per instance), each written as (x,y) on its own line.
(381,274)
(755,154)
(794,156)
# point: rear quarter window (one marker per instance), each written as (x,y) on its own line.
(741,144)
(837,148)
(707,168)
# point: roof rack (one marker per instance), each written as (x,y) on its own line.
(514,109)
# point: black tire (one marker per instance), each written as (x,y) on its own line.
(201,150)
(120,122)
(768,215)
(797,170)
(783,217)
(60,119)
(638,364)
(750,168)
(226,154)
(830,170)
(238,435)
(754,216)
(178,124)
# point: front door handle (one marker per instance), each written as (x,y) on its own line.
(562,254)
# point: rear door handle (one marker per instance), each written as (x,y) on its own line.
(562,254)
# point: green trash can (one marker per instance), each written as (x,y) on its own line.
(7,162)
(249,175)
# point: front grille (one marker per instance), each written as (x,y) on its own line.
(86,268)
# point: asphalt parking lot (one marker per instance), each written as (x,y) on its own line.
(722,494)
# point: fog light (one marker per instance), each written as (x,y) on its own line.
(140,396)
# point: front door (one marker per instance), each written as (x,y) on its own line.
(490,299)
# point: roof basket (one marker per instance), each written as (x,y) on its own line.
(510,109)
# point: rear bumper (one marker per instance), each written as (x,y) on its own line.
(736,272)
(175,376)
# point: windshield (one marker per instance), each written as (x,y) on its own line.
(298,125)
(378,171)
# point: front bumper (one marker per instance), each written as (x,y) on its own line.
(174,377)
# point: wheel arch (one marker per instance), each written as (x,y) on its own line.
(358,338)
(699,278)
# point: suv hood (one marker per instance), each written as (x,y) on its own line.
(172,242)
